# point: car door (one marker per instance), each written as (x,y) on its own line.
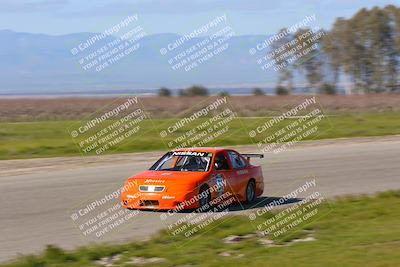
(223,174)
(239,173)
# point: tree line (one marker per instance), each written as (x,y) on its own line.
(195,90)
(361,52)
(199,90)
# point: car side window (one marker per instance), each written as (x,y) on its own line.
(237,161)
(221,163)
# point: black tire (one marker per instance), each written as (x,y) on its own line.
(204,202)
(250,191)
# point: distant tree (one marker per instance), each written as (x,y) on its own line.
(312,62)
(258,91)
(164,92)
(280,47)
(332,50)
(223,93)
(181,92)
(328,89)
(281,90)
(195,90)
(366,48)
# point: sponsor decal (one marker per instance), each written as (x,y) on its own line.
(168,197)
(219,180)
(242,172)
(154,181)
(191,153)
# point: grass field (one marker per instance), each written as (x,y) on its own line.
(355,231)
(51,138)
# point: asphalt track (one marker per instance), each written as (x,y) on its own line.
(36,203)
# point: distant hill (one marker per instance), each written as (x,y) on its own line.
(39,63)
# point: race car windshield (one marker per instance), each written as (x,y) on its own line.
(184,161)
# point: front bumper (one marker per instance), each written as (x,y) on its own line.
(158,201)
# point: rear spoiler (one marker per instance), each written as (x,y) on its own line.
(248,156)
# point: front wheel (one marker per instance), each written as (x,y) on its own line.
(251,191)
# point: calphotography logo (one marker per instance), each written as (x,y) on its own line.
(196,223)
(108,48)
(280,133)
(206,124)
(102,215)
(199,46)
(115,125)
(267,43)
(286,215)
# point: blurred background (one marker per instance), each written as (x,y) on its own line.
(358,52)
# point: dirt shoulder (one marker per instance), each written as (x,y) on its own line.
(34,109)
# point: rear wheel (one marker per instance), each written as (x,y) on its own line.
(251,191)
(205,198)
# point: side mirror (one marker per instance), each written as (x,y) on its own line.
(217,166)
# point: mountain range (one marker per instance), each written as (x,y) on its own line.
(33,63)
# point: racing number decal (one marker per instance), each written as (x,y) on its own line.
(219,179)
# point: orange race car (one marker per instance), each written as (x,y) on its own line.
(193,178)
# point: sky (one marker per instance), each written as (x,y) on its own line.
(57,17)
